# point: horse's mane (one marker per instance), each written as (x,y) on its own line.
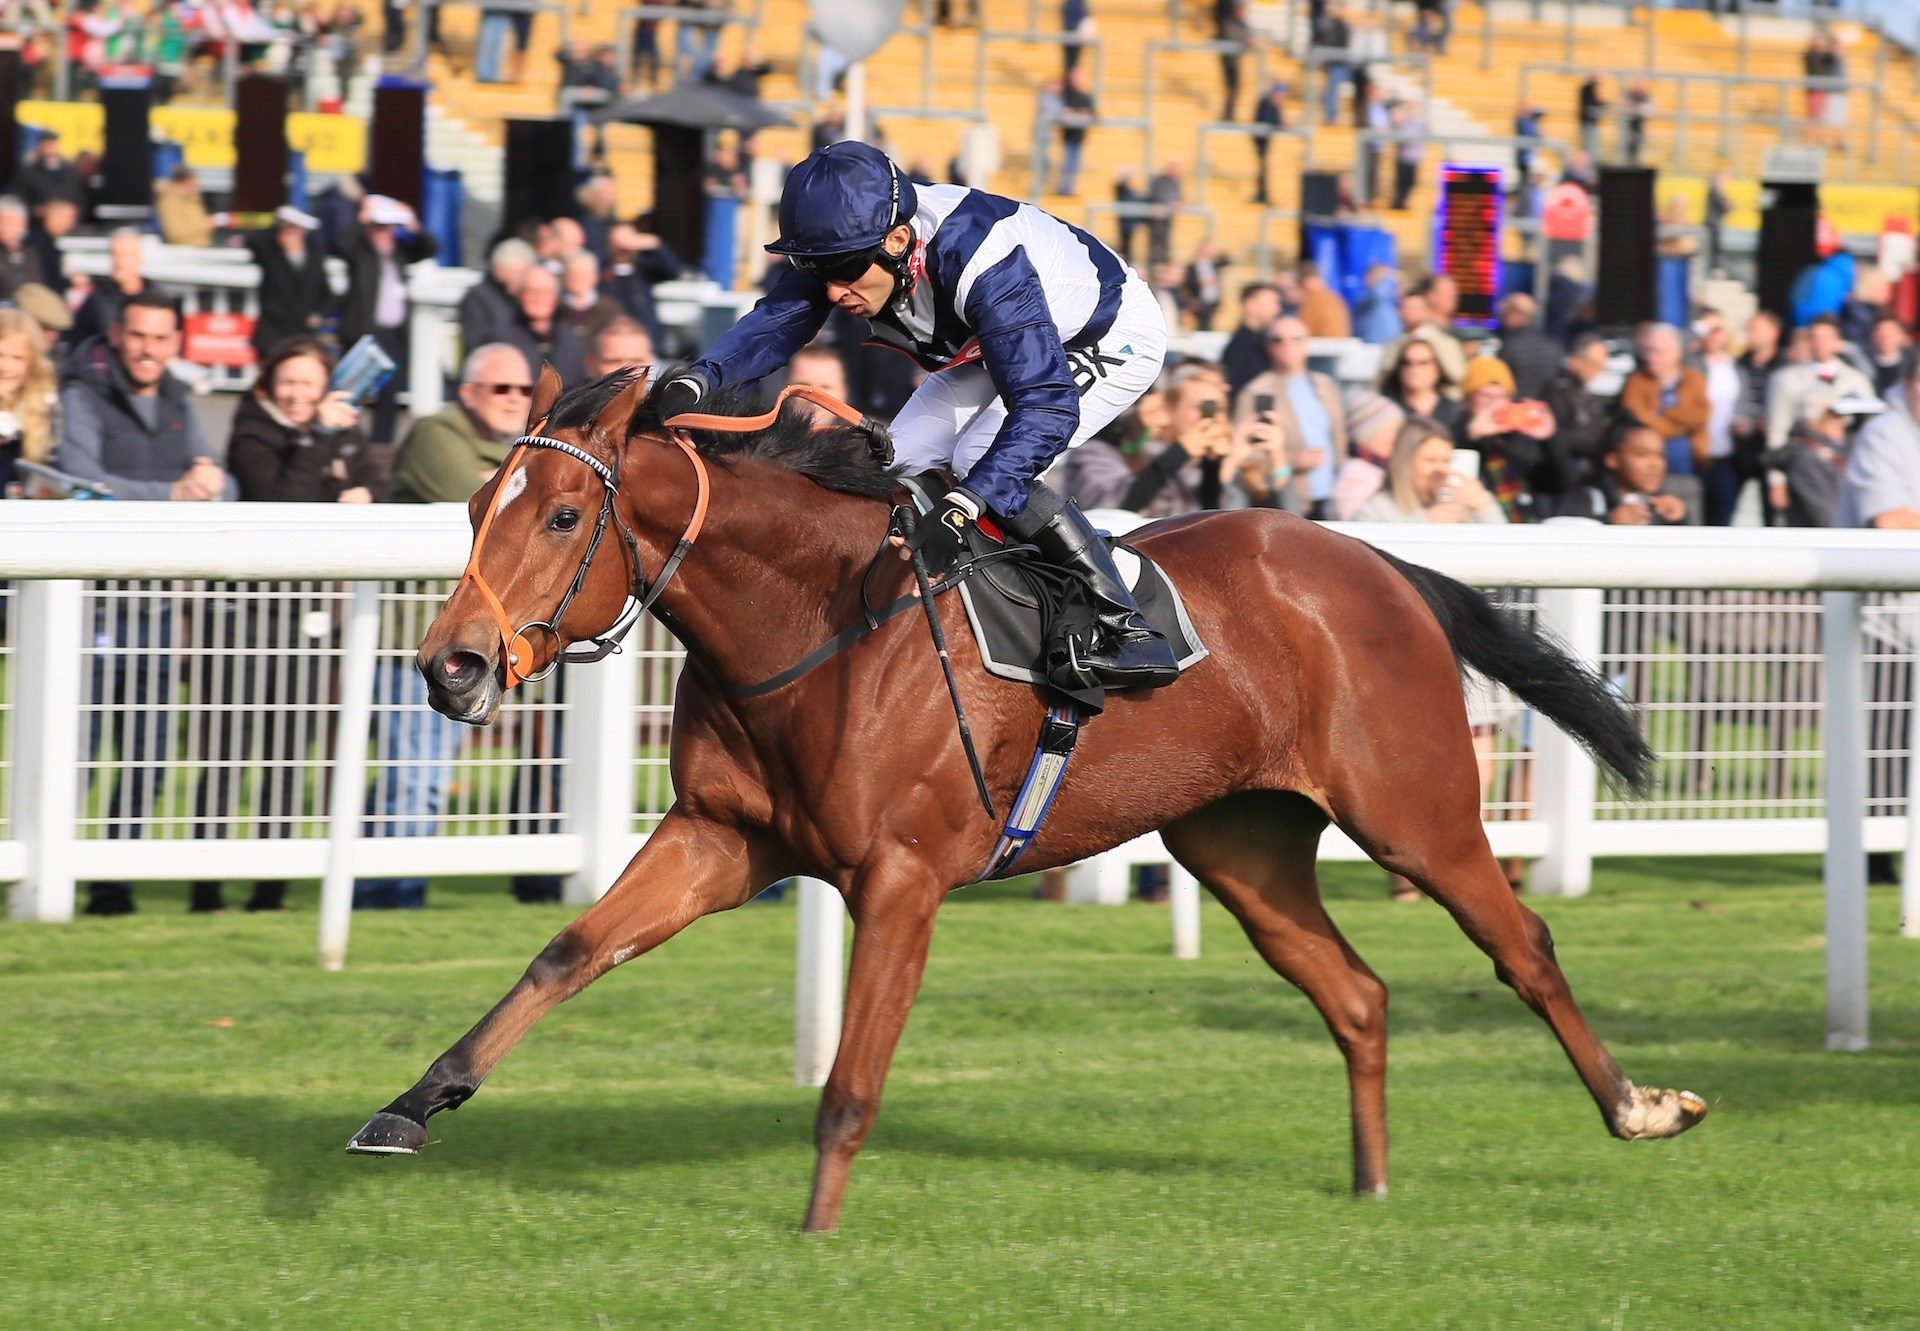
(833,455)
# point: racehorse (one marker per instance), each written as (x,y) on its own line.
(1332,694)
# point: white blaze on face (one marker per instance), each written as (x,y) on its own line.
(515,486)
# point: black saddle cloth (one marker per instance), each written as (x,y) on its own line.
(1020,610)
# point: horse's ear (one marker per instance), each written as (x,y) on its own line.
(620,413)
(546,391)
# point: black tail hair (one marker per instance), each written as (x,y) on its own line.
(1539,669)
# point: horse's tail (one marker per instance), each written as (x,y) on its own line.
(1539,669)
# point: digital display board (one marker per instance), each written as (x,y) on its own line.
(1472,211)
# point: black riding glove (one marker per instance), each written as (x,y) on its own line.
(681,395)
(942,534)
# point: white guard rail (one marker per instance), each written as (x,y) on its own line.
(125,702)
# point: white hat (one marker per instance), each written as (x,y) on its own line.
(384,210)
(288,215)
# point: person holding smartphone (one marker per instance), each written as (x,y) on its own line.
(1305,411)
(1426,482)
(1521,460)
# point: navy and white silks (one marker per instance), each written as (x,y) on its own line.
(1035,334)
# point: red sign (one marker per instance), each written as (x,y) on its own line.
(224,341)
(1569,213)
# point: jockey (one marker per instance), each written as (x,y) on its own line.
(1034,334)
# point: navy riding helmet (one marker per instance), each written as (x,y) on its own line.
(841,202)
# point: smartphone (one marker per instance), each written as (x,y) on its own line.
(1209,409)
(1262,403)
(1466,462)
(362,372)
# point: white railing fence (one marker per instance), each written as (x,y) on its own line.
(247,710)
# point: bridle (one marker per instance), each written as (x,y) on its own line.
(516,648)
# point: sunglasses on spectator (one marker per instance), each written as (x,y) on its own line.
(1289,337)
(841,268)
(502,390)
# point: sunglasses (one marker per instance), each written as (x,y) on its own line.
(504,390)
(841,268)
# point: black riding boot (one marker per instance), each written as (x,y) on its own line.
(1130,653)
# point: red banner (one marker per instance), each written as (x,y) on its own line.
(221,340)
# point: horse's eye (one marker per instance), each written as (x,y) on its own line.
(564,519)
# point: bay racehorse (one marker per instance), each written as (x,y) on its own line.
(1332,694)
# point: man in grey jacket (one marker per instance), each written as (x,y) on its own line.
(129,426)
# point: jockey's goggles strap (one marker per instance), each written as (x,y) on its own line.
(517,649)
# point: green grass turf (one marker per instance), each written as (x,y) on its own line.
(1079,1130)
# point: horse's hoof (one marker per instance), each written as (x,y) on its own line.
(1658,1113)
(389,1134)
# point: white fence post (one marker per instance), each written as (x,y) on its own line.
(601,734)
(348,795)
(47,671)
(429,331)
(1844,724)
(1563,774)
(1910,862)
(1183,900)
(818,988)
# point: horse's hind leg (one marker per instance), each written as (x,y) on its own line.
(1256,853)
(1440,845)
(689,867)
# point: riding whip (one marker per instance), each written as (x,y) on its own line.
(925,584)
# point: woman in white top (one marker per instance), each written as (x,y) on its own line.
(1725,388)
(1424,484)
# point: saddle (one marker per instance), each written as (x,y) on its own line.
(1024,612)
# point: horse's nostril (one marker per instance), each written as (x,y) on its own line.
(462,670)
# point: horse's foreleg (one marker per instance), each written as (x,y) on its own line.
(893,913)
(689,867)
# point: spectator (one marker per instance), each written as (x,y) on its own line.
(1569,299)
(1130,203)
(638,261)
(1720,477)
(20,259)
(564,237)
(725,184)
(1307,408)
(1165,193)
(1373,425)
(1826,371)
(1526,128)
(1580,172)
(817,365)
(1167,473)
(1519,458)
(126,260)
(1321,307)
(599,201)
(29,400)
(127,424)
(1414,377)
(1639,105)
(1200,289)
(1407,153)
(1813,461)
(1271,115)
(180,211)
(539,332)
(1592,112)
(1245,354)
(378,249)
(1099,472)
(1230,25)
(1424,485)
(1582,417)
(1869,299)
(494,299)
(619,343)
(1718,207)
(53,221)
(1670,397)
(1050,105)
(1529,353)
(696,41)
(1881,484)
(444,459)
(1332,39)
(49,174)
(646,54)
(583,307)
(1433,24)
(295,294)
(1376,118)
(1417,317)
(1889,349)
(1822,65)
(52,315)
(1077,112)
(1078,29)
(1633,488)
(1764,355)
(1376,315)
(292,442)
(1822,287)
